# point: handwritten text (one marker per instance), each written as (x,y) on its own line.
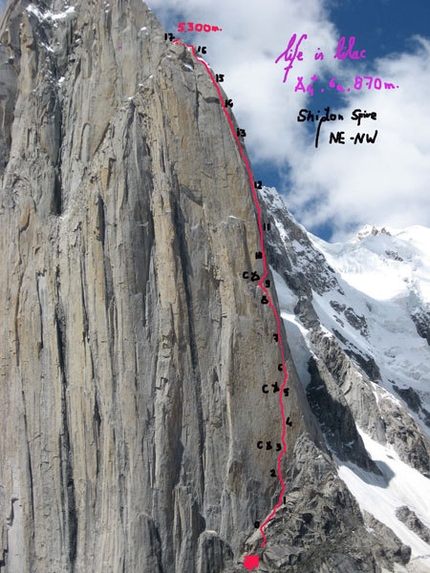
(357,116)
(191,27)
(289,55)
(345,50)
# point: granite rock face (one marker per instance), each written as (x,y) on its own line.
(133,352)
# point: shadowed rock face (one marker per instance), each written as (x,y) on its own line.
(132,351)
(422,323)
(411,520)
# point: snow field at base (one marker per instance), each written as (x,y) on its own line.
(381,496)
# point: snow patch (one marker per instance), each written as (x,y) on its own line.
(47,47)
(381,496)
(61,15)
(297,335)
(48,15)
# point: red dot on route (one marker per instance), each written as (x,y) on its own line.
(251,562)
(348,90)
(322,89)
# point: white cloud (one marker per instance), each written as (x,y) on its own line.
(384,183)
(254,34)
(340,185)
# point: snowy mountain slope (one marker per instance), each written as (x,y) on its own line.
(357,317)
(386,277)
(381,496)
(383,263)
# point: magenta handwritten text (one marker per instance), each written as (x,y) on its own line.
(291,53)
(342,54)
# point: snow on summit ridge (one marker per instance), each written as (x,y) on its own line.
(382,262)
(371,230)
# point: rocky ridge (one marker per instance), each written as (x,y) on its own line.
(349,385)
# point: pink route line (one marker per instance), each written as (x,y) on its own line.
(263,288)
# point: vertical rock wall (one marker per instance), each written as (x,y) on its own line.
(132,350)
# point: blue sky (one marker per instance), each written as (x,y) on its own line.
(384,25)
(338,188)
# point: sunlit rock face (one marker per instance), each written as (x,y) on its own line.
(132,350)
